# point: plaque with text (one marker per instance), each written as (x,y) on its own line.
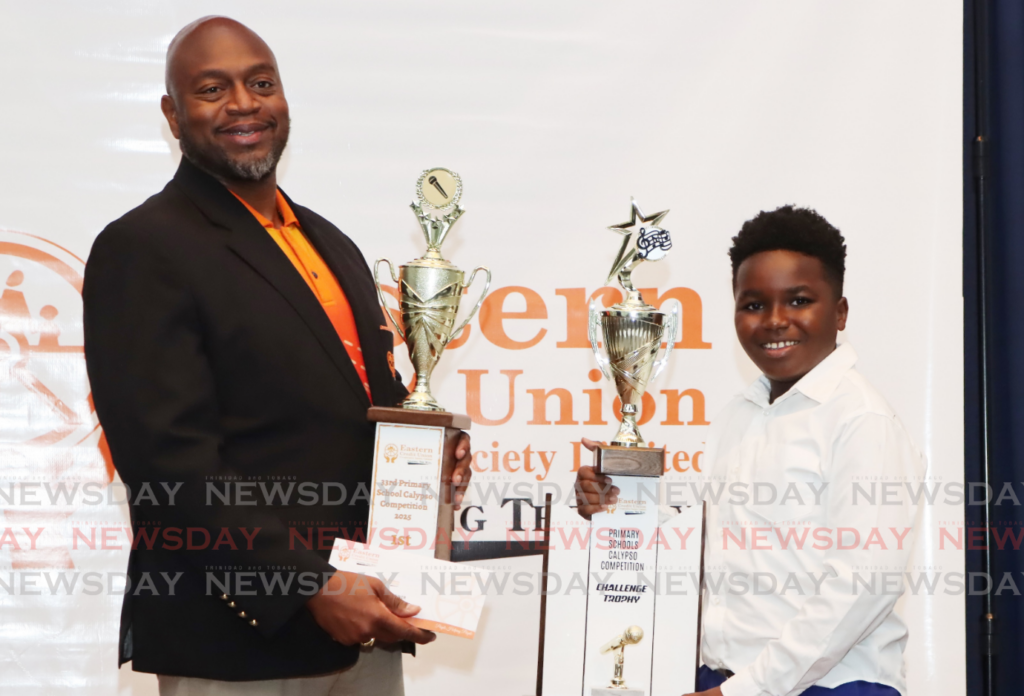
(411,506)
(621,592)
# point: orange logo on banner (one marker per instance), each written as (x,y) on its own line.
(517,318)
(48,430)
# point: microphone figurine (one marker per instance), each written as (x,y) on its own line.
(631,636)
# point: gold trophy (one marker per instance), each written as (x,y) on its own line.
(632,332)
(429,287)
(631,636)
(414,448)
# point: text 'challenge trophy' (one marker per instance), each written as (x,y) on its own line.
(627,339)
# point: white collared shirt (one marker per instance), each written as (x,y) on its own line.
(809,540)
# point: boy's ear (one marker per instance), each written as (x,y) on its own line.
(842,310)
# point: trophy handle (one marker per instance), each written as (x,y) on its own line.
(593,325)
(670,331)
(479,302)
(380,293)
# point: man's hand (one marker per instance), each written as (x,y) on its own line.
(717,691)
(594,491)
(463,471)
(354,608)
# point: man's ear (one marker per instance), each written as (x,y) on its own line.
(171,114)
(842,310)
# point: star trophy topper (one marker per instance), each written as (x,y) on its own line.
(632,332)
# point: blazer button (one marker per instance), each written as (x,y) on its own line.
(231,605)
(241,614)
(253,623)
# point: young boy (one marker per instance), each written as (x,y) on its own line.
(802,566)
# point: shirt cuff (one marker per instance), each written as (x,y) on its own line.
(742,684)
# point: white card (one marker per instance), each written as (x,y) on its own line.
(450,595)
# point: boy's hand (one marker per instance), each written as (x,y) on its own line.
(594,491)
(717,691)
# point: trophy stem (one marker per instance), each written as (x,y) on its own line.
(618,682)
(421,399)
(629,431)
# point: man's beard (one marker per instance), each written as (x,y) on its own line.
(217,162)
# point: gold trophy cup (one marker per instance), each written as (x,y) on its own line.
(626,339)
(430,288)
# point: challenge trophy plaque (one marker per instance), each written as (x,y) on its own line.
(626,339)
(632,332)
(414,449)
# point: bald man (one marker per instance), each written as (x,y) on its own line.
(234,343)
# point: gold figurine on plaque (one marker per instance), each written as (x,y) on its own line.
(430,288)
(631,333)
(631,636)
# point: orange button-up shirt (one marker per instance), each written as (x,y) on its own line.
(318,277)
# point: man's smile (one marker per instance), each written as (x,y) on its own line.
(244,134)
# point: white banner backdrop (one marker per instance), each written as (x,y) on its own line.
(554,114)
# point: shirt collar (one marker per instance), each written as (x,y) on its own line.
(287,215)
(818,384)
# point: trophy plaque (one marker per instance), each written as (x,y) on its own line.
(414,448)
(631,334)
(622,572)
(627,339)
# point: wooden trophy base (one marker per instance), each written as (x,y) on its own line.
(387,414)
(614,460)
(453,424)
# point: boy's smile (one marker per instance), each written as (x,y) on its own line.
(787,315)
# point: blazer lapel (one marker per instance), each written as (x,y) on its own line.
(253,245)
(357,283)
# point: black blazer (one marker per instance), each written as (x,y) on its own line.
(215,372)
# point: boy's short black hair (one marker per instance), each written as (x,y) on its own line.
(793,229)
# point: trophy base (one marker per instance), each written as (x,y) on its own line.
(421,401)
(453,424)
(408,416)
(614,460)
(613,691)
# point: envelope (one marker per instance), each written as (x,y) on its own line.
(450,595)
